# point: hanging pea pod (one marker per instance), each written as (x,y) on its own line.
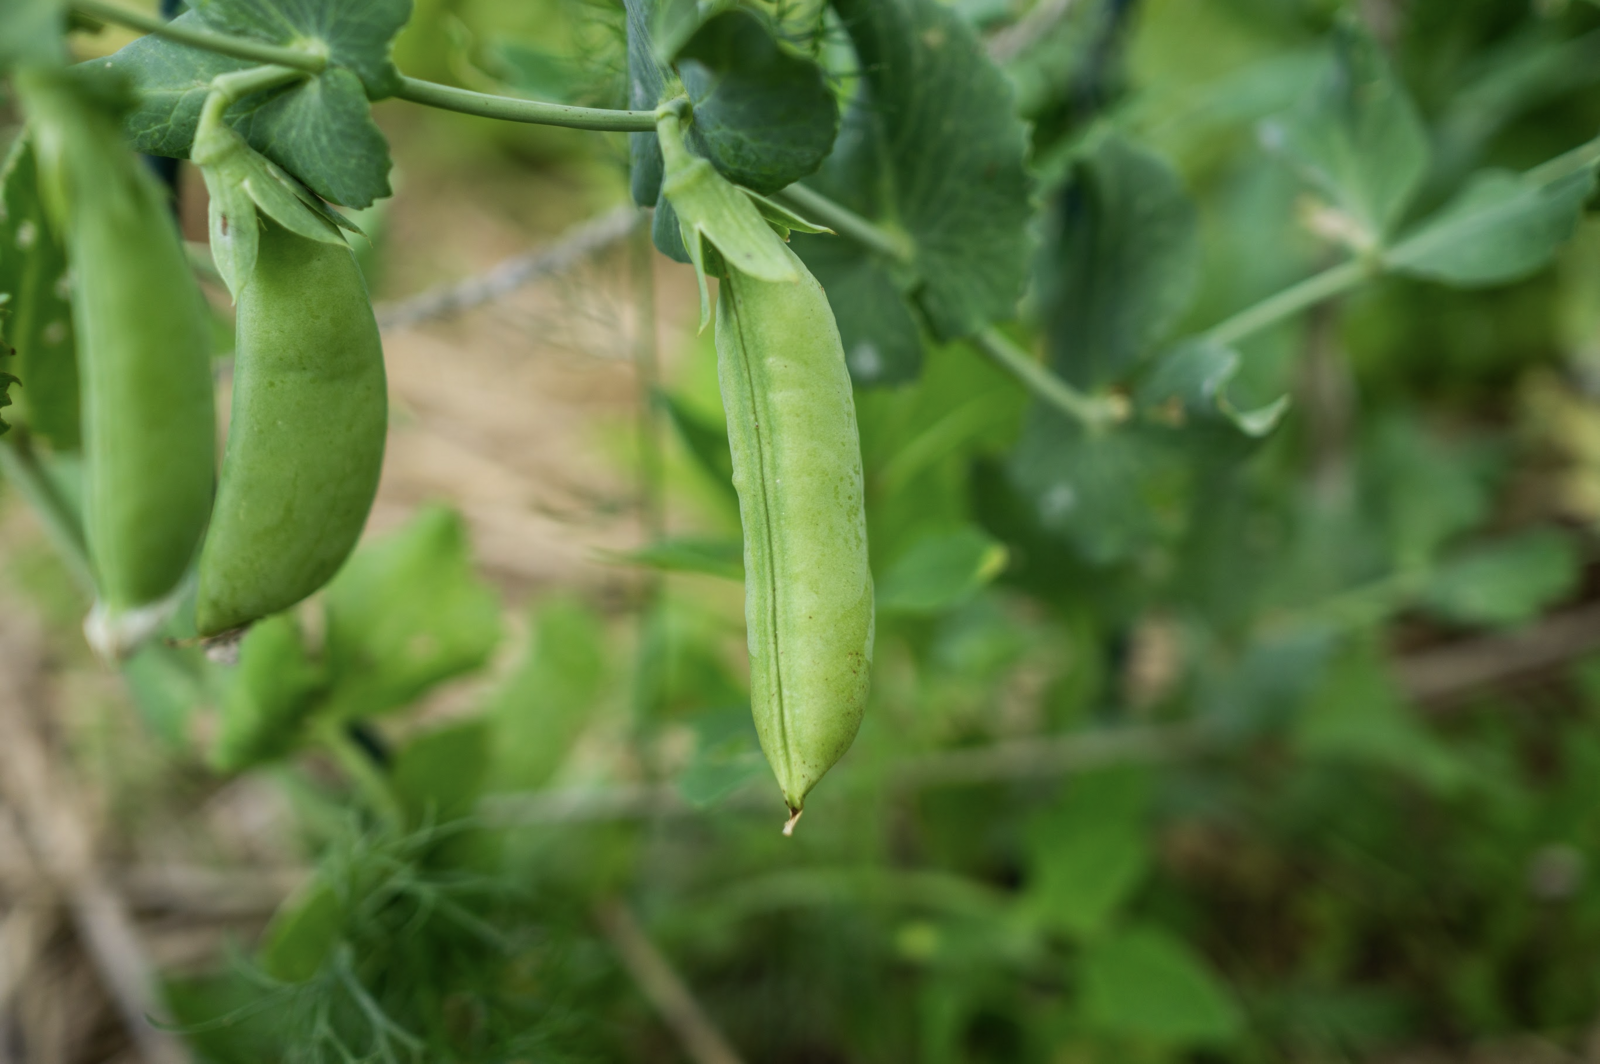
(305,445)
(140,321)
(797,467)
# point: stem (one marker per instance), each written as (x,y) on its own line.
(228,89)
(20,464)
(514,109)
(1092,411)
(373,784)
(846,222)
(221,43)
(1292,300)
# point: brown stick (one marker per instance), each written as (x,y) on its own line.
(56,826)
(663,987)
(1443,677)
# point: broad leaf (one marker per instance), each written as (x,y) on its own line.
(1500,228)
(763,114)
(268,697)
(319,129)
(1190,385)
(405,613)
(1506,583)
(882,341)
(36,317)
(931,149)
(1089,853)
(1146,985)
(940,572)
(544,706)
(32,32)
(1357,138)
(1122,265)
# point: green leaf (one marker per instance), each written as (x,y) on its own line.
(319,129)
(726,756)
(1428,492)
(545,705)
(689,554)
(1146,985)
(882,342)
(1506,583)
(1189,384)
(268,697)
(940,572)
(1500,228)
(167,685)
(1357,138)
(649,83)
(36,316)
(407,612)
(439,775)
(303,932)
(1357,715)
(33,32)
(1108,494)
(1089,853)
(1123,263)
(763,114)
(932,150)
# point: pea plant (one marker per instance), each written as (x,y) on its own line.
(1108,421)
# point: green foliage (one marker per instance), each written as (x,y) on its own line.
(1146,986)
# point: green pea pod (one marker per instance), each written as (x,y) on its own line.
(797,466)
(147,406)
(305,445)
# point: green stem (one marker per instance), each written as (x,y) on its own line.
(1585,156)
(816,207)
(19,462)
(374,785)
(1092,411)
(221,43)
(514,109)
(1292,300)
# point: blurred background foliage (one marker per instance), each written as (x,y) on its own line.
(1184,745)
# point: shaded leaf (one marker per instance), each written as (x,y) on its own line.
(439,775)
(1357,138)
(940,572)
(1123,263)
(882,342)
(1500,228)
(1089,853)
(1190,384)
(1506,583)
(1147,985)
(543,707)
(36,315)
(268,696)
(405,613)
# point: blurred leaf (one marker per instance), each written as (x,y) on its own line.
(1110,494)
(1358,138)
(268,696)
(1190,383)
(1146,985)
(303,932)
(544,706)
(36,315)
(167,685)
(32,32)
(1357,715)
(1505,583)
(439,775)
(726,756)
(1501,227)
(1122,267)
(319,129)
(1426,493)
(940,572)
(689,554)
(1088,854)
(706,440)
(882,342)
(405,613)
(533,72)
(763,114)
(1268,684)
(930,148)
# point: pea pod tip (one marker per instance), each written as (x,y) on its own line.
(794,818)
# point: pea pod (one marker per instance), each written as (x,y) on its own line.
(305,445)
(144,364)
(797,467)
